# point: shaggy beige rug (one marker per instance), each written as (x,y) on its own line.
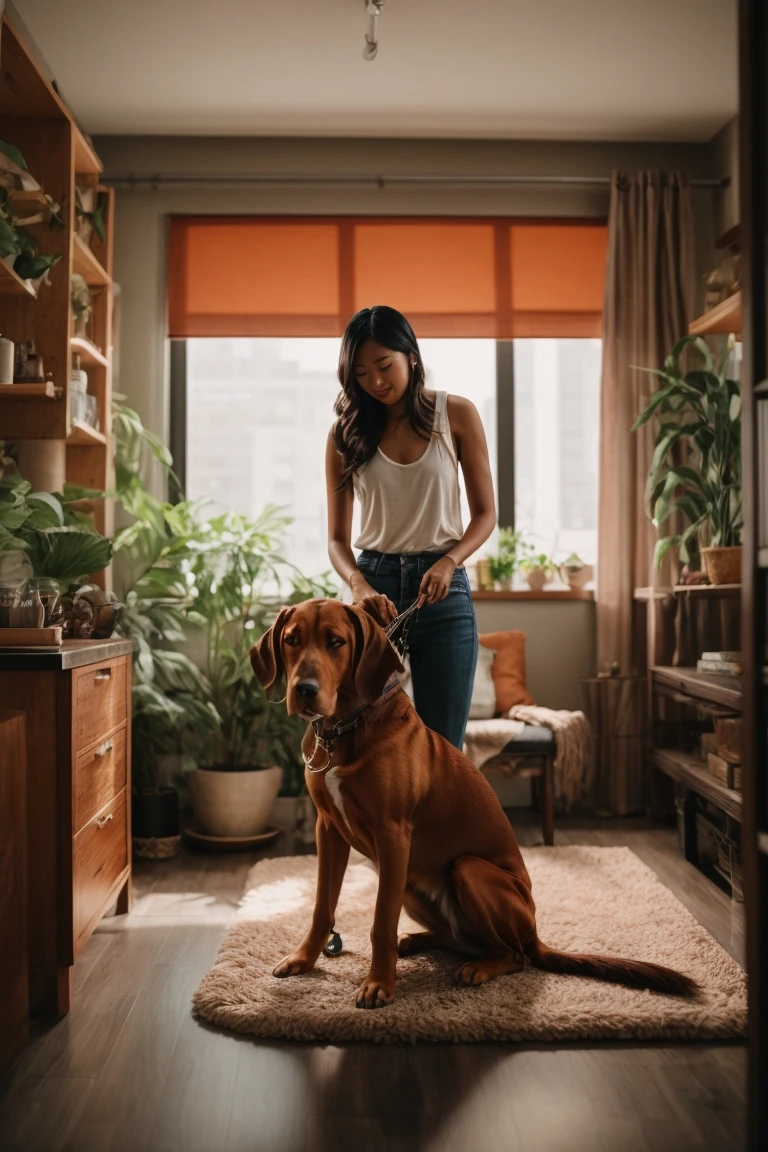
(588,899)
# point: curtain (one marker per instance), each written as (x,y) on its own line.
(649,292)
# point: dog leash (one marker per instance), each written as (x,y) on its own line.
(405,618)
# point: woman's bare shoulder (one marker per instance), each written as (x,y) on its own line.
(462,413)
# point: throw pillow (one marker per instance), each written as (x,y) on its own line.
(483,703)
(508,669)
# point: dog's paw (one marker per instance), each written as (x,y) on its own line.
(472,973)
(295,965)
(405,944)
(375,994)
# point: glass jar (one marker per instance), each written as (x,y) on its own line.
(48,590)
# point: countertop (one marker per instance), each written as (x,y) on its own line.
(72,654)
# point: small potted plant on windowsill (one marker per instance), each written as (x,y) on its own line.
(503,565)
(538,570)
(575,572)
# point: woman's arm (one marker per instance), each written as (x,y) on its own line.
(472,449)
(340,535)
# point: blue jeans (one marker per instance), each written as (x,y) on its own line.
(442,638)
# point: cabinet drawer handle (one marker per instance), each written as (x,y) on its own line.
(100,677)
(102,820)
(102,750)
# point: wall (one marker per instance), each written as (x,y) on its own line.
(560,645)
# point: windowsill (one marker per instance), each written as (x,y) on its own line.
(526,594)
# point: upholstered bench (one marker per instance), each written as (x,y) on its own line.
(531,753)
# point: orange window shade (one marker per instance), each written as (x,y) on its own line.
(293,276)
(246,277)
(426,268)
(558,267)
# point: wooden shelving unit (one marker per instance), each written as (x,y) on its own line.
(45,391)
(84,434)
(90,355)
(721,320)
(688,770)
(12,285)
(86,263)
(681,699)
(59,159)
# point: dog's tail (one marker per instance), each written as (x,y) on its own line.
(633,973)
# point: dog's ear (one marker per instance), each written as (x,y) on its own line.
(267,659)
(376,658)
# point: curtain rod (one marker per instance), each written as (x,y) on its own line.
(131,180)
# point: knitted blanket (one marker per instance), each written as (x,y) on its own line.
(485,739)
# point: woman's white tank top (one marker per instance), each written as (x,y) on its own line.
(412,507)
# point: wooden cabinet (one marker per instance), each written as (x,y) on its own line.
(14,981)
(78,708)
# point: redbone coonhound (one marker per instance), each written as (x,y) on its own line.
(416,807)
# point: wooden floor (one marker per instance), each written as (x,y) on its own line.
(130,1070)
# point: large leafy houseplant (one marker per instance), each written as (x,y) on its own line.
(198,593)
(695,471)
(48,535)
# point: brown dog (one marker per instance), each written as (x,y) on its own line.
(385,784)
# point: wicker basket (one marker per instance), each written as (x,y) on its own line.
(156,848)
(723,565)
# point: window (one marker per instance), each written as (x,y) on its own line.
(557,413)
(258,411)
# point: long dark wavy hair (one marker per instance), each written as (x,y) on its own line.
(361,418)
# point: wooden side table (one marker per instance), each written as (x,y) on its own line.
(14,981)
(78,707)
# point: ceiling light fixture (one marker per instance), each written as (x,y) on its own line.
(373,11)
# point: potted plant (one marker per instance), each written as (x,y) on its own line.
(503,565)
(82,307)
(89,213)
(243,765)
(695,471)
(575,572)
(199,592)
(18,246)
(538,570)
(47,539)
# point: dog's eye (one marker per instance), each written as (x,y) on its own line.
(335,642)
(291,639)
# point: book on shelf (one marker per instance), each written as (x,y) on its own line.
(708,663)
(727,773)
(707,744)
(728,738)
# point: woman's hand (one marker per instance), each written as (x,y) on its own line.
(436,581)
(367,597)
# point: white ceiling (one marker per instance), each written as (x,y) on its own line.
(525,69)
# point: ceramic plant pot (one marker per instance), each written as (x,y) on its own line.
(723,565)
(233,803)
(536,578)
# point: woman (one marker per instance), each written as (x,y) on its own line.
(398,447)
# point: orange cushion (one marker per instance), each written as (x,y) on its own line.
(508,668)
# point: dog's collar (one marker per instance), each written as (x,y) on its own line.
(325,738)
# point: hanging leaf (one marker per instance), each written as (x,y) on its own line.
(68,554)
(13,155)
